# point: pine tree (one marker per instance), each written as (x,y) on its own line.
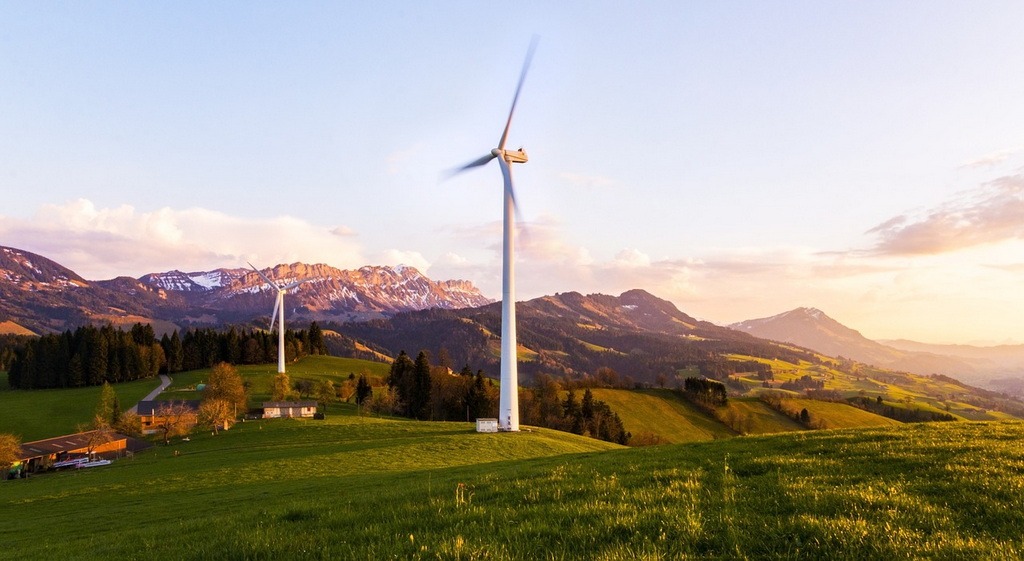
(363,390)
(401,379)
(316,340)
(174,353)
(421,395)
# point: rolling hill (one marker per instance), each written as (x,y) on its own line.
(367,488)
(813,329)
(636,334)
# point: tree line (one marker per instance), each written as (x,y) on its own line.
(542,405)
(434,392)
(425,391)
(90,356)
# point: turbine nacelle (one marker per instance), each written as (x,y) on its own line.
(511,156)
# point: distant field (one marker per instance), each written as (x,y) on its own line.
(755,417)
(261,376)
(366,488)
(829,415)
(39,414)
(662,413)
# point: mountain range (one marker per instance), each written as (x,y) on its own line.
(995,367)
(635,334)
(40,295)
(390,309)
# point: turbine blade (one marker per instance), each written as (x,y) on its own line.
(292,285)
(273,318)
(481,161)
(519,87)
(260,273)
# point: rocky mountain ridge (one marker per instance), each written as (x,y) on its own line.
(40,295)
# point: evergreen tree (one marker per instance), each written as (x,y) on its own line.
(96,371)
(420,406)
(363,390)
(400,378)
(174,353)
(231,350)
(573,413)
(316,340)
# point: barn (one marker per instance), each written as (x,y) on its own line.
(278,409)
(42,454)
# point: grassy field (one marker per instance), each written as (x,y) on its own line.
(39,414)
(261,376)
(830,415)
(366,488)
(661,413)
(755,417)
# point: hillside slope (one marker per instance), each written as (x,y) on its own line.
(367,488)
(636,334)
(813,329)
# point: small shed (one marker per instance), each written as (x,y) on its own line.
(486,425)
(153,413)
(279,409)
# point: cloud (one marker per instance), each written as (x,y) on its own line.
(344,231)
(992,213)
(994,158)
(401,257)
(100,243)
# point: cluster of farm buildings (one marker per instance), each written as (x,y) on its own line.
(74,449)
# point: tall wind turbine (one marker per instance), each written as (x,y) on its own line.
(508,403)
(278,308)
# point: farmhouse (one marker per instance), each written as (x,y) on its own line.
(41,454)
(153,414)
(276,409)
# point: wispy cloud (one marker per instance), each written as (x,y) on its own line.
(100,243)
(992,213)
(994,158)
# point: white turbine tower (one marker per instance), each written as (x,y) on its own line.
(508,403)
(278,308)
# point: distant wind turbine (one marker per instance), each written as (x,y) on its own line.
(508,403)
(278,308)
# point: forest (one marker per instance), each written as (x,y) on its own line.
(90,356)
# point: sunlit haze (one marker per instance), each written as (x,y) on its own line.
(737,158)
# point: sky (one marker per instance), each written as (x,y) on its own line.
(739,159)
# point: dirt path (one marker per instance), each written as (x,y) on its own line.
(164,382)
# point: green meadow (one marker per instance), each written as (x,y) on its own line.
(354,487)
(39,414)
(260,376)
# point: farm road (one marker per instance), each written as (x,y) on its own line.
(164,382)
